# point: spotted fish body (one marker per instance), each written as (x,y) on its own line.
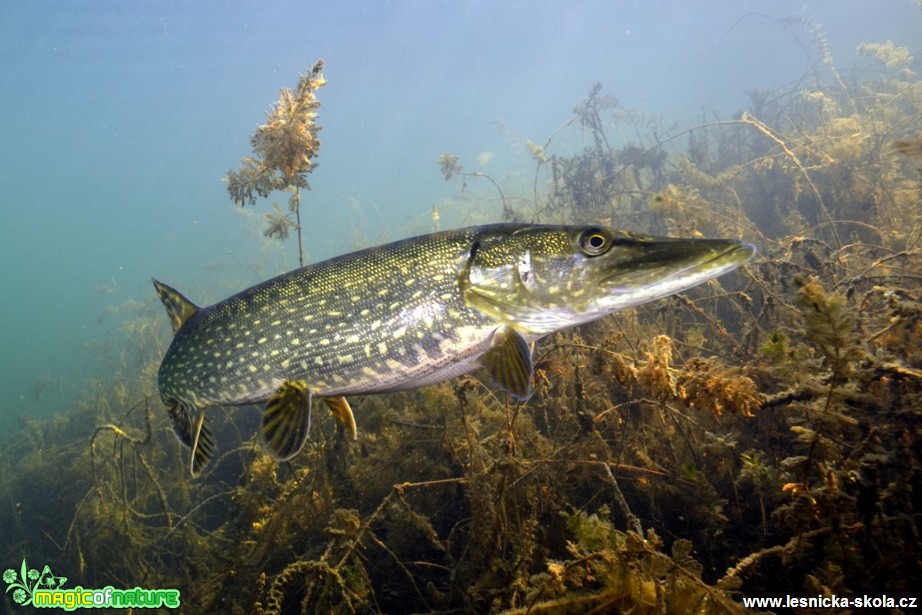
(408,314)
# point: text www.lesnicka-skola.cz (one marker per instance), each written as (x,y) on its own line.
(833,602)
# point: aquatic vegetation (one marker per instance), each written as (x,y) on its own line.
(285,147)
(909,148)
(891,55)
(451,167)
(614,571)
(756,436)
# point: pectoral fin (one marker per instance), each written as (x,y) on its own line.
(194,435)
(340,408)
(287,420)
(508,361)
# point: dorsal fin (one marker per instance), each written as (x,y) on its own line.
(178,308)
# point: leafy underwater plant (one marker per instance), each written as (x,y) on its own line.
(450,166)
(285,147)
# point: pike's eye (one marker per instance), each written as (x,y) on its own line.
(595,241)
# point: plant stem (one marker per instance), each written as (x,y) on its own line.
(492,181)
(298,222)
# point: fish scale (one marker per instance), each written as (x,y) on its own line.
(408,314)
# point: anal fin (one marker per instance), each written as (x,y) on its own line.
(341,409)
(287,420)
(509,362)
(194,435)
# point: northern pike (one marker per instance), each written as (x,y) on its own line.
(408,314)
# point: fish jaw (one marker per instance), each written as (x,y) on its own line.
(680,265)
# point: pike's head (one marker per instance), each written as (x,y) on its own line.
(545,278)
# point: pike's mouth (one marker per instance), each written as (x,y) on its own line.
(739,254)
(734,254)
(732,257)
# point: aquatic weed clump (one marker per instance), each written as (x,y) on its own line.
(285,148)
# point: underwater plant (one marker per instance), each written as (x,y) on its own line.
(451,167)
(284,147)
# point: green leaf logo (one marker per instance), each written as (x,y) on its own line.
(27,580)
